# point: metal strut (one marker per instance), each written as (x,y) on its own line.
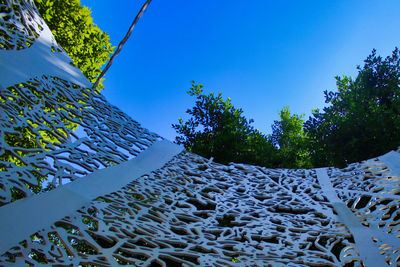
(121,44)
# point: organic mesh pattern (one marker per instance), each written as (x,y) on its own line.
(190,212)
(196,212)
(20,24)
(373,195)
(53,131)
(37,126)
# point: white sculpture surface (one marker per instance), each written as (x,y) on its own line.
(136,199)
(43,100)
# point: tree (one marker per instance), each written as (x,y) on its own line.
(291,140)
(73,28)
(217,129)
(363,117)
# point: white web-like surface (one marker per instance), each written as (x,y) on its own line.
(41,112)
(195,212)
(190,212)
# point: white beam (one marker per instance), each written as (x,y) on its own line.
(363,235)
(25,217)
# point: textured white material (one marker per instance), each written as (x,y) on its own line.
(362,235)
(392,161)
(371,192)
(198,213)
(189,212)
(44,99)
(26,216)
(20,24)
(21,65)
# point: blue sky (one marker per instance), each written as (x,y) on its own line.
(263,54)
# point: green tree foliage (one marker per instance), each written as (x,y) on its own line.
(217,129)
(361,121)
(363,117)
(73,28)
(288,135)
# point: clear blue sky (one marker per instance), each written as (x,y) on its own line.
(263,54)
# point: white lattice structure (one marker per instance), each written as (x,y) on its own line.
(123,195)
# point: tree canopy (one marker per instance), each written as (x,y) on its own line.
(291,140)
(73,28)
(217,129)
(362,119)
